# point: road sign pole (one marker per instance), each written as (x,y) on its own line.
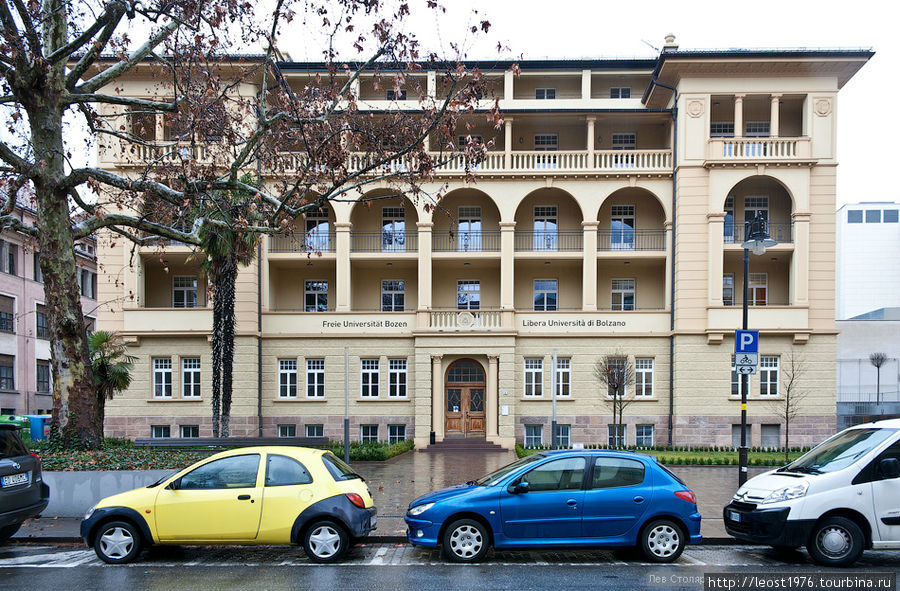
(745,382)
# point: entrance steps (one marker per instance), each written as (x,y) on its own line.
(464,444)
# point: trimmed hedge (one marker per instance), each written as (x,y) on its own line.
(695,457)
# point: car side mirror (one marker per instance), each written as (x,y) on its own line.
(889,467)
(518,488)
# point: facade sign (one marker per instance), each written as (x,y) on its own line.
(587,323)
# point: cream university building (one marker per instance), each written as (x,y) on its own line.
(607,220)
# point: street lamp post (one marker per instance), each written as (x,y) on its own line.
(756,239)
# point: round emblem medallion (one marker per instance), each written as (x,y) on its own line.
(823,107)
(465,320)
(695,108)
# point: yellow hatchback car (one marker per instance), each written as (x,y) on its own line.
(250,495)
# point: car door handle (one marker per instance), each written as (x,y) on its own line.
(571,503)
(639,499)
(243,497)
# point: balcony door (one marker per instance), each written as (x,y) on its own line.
(622,227)
(393,229)
(546,227)
(464,391)
(468,236)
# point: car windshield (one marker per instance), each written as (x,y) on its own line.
(11,445)
(338,469)
(839,452)
(161,480)
(498,475)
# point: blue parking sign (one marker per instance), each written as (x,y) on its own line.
(746,341)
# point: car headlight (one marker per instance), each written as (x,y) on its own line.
(419,509)
(786,493)
(90,512)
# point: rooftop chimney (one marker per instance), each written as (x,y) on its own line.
(670,43)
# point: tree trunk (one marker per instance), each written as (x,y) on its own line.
(229,278)
(216,349)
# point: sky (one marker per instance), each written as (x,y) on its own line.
(596,29)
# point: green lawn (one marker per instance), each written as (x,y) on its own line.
(701,457)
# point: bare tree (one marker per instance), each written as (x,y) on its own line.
(787,409)
(310,142)
(615,372)
(878,359)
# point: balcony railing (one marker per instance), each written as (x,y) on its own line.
(781,233)
(612,240)
(465,319)
(466,242)
(758,148)
(302,243)
(564,241)
(384,242)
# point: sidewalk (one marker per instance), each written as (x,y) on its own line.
(395,483)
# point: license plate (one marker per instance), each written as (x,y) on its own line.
(15,479)
(734,516)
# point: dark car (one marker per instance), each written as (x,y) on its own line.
(23,493)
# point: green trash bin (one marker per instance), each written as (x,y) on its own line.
(21,421)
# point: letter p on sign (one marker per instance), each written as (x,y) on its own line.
(746,341)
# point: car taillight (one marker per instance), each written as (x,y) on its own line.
(356,500)
(686,495)
(35,455)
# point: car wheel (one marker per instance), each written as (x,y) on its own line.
(835,541)
(326,541)
(465,540)
(662,541)
(8,531)
(117,542)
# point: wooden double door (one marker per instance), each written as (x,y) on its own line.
(464,393)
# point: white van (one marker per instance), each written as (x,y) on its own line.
(839,498)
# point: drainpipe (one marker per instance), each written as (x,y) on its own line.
(674,112)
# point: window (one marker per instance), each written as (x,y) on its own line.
(175,127)
(42,322)
(621,227)
(758,287)
(620,92)
(315,296)
(160,431)
(393,229)
(545,294)
(736,435)
(735,380)
(392,295)
(315,430)
(546,142)
(162,377)
(462,141)
(768,375)
(396,433)
(368,378)
(7,372)
(617,472)
(754,205)
(728,224)
(643,435)
(468,235)
(563,436)
(643,377)
(184,291)
(368,433)
(544,93)
(563,376)
(622,294)
(615,435)
(315,378)
(534,377)
(87,280)
(397,378)
(43,377)
(190,431)
(317,236)
(231,473)
(287,430)
(873,216)
(890,216)
(190,377)
(770,436)
(561,474)
(287,378)
(721,129)
(624,141)
(854,216)
(38,274)
(756,129)
(616,374)
(468,295)
(534,435)
(728,289)
(12,252)
(7,411)
(7,318)
(393,95)
(546,227)
(142,124)
(285,471)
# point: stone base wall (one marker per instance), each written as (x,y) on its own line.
(141,426)
(710,430)
(594,430)
(333,426)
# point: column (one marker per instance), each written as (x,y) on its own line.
(342,263)
(739,115)
(591,141)
(589,267)
(799,290)
(508,142)
(492,398)
(424,265)
(508,81)
(773,117)
(507,265)
(669,263)
(585,85)
(715,224)
(431,84)
(437,397)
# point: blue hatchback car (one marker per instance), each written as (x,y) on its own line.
(572,498)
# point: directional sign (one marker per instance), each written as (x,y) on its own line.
(746,341)
(745,363)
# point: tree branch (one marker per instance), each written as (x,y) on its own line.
(113,15)
(30,33)
(80,98)
(8,155)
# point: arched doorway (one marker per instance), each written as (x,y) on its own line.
(464,389)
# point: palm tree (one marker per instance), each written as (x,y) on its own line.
(111,366)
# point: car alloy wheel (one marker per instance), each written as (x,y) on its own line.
(465,540)
(325,541)
(836,541)
(662,541)
(117,542)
